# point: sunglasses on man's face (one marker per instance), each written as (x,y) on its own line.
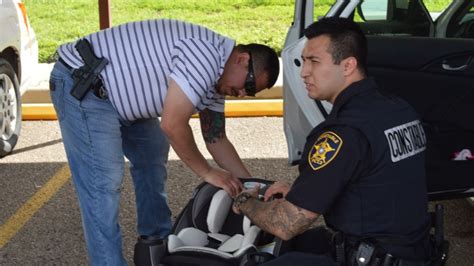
(250,84)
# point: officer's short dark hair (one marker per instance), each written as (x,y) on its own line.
(265,59)
(347,39)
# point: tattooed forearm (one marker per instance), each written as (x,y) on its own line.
(278,217)
(212,125)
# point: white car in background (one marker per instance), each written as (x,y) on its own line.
(18,60)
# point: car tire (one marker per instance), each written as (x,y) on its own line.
(10,108)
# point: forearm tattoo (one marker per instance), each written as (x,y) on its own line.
(212,125)
(278,217)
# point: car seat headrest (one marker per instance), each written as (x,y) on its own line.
(219,208)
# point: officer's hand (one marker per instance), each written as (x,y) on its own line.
(253,193)
(223,179)
(277,188)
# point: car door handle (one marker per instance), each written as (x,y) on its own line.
(451,68)
(448,67)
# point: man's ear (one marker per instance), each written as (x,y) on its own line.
(242,58)
(350,65)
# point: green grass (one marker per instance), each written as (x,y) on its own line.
(436,5)
(261,21)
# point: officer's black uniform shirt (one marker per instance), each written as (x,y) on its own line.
(365,181)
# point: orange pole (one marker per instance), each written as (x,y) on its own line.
(104,14)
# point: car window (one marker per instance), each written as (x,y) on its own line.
(375,10)
(321,8)
(462,23)
(435,8)
(394,17)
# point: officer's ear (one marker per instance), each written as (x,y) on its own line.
(350,65)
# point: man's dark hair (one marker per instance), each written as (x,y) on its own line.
(347,39)
(265,59)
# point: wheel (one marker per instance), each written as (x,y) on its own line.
(10,108)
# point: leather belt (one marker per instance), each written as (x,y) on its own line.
(65,64)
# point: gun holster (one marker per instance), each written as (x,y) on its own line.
(87,76)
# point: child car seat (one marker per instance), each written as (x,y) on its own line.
(208,232)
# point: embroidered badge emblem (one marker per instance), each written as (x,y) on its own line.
(324,150)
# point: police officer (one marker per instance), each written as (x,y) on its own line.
(363,168)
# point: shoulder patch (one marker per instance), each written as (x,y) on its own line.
(324,150)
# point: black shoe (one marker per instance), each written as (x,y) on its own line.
(148,251)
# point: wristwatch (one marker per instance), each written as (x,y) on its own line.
(241,199)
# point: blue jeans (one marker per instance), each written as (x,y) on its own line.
(96,141)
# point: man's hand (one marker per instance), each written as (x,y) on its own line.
(223,179)
(277,188)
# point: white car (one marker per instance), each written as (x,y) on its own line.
(18,60)
(421,55)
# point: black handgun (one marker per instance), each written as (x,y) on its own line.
(86,76)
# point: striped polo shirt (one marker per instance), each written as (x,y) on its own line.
(144,55)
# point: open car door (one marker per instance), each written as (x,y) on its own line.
(435,75)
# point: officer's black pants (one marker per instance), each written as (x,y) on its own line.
(296,258)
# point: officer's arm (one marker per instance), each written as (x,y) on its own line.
(221,149)
(278,217)
(177,110)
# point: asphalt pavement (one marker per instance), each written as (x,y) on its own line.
(40,221)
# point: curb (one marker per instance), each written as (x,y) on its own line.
(233,108)
(37,102)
